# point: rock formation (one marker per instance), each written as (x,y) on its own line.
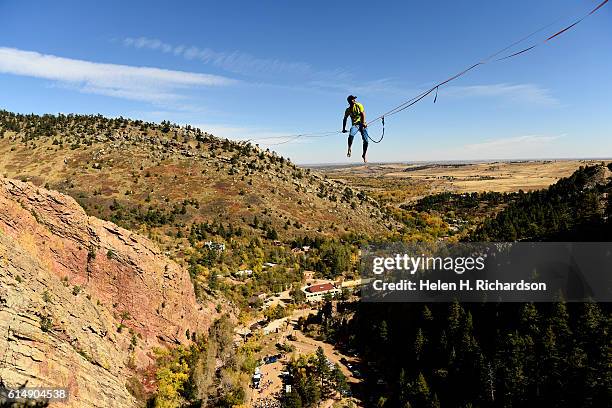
(83,302)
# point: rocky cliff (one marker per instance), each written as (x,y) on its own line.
(83,302)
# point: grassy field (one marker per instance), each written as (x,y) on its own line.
(400,183)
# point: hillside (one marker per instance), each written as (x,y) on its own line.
(86,299)
(83,302)
(576,208)
(217,205)
(166,178)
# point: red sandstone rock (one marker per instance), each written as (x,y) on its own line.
(87,277)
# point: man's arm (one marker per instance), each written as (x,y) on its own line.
(363,118)
(344,122)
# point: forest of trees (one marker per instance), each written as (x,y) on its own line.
(190,376)
(573,209)
(482,355)
(446,201)
(498,355)
(313,378)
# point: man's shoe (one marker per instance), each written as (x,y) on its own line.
(348,154)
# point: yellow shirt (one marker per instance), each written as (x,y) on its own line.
(355,112)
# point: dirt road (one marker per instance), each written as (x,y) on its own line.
(271,379)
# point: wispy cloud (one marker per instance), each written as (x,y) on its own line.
(275,72)
(261,136)
(235,61)
(522,93)
(346,83)
(122,81)
(525,146)
(526,141)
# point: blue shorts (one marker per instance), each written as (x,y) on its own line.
(359,128)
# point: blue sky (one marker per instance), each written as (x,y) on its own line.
(252,70)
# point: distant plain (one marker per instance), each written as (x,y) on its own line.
(405,182)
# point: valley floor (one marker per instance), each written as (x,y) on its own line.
(289,333)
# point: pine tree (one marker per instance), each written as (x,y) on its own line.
(435,402)
(311,392)
(559,322)
(455,313)
(339,379)
(383,333)
(403,394)
(321,367)
(513,379)
(420,391)
(419,344)
(551,373)
(427,315)
(593,337)
(529,320)
(213,280)
(530,331)
(292,400)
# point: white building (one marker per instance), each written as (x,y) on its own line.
(316,293)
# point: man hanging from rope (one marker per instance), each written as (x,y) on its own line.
(358,124)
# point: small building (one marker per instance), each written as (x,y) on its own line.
(309,275)
(242,272)
(316,293)
(217,246)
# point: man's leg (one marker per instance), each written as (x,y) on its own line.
(364,137)
(352,133)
